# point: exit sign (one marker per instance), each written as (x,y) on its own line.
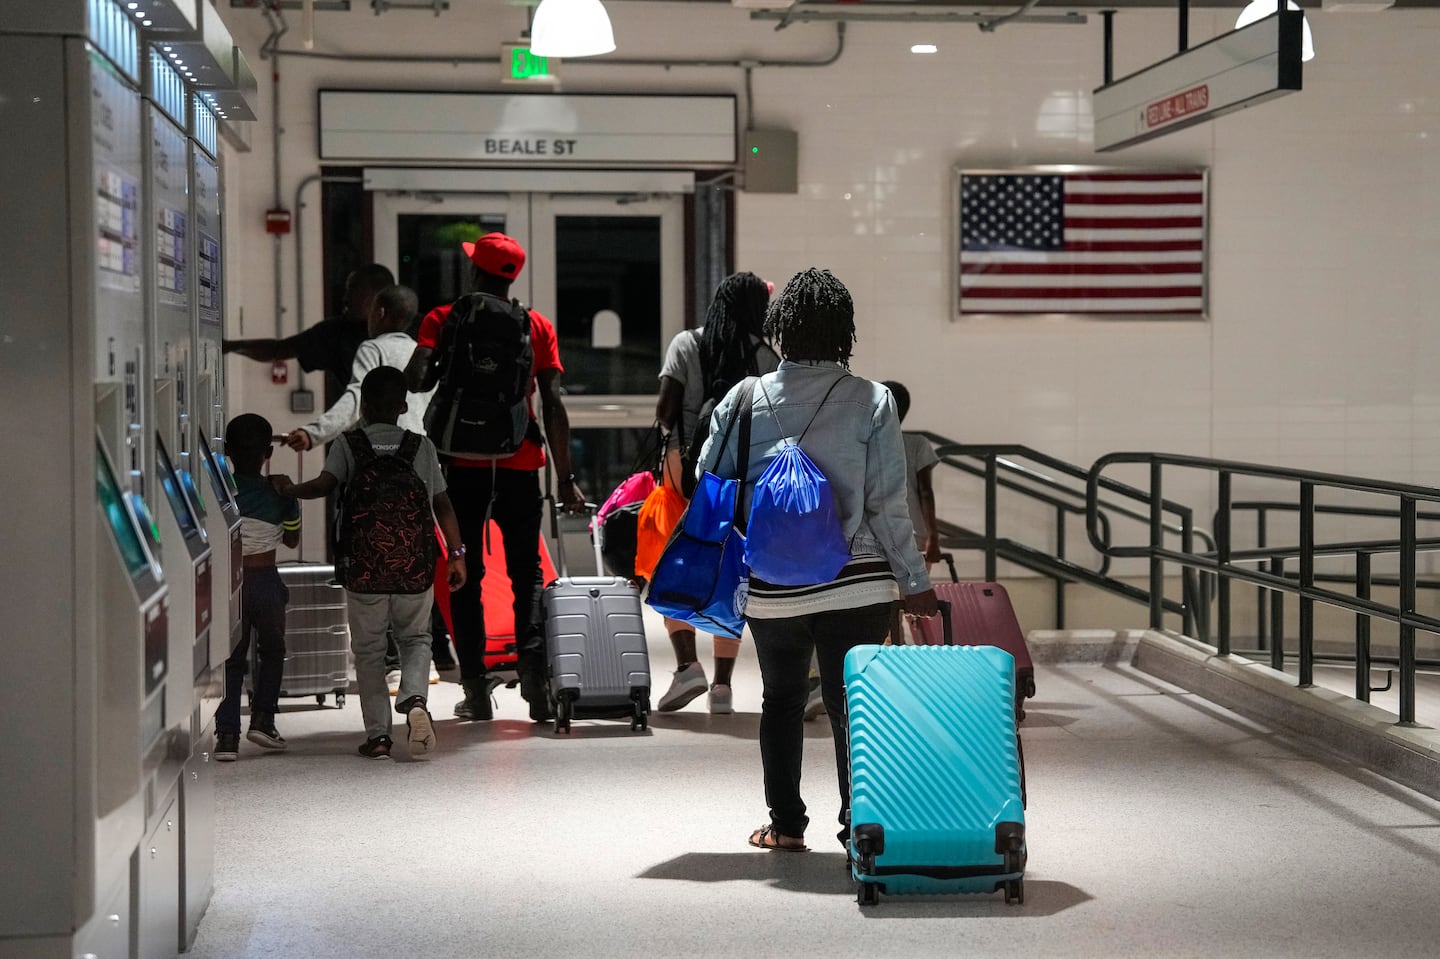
(519,65)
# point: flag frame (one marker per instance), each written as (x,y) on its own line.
(958,309)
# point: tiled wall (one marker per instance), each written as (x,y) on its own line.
(1320,350)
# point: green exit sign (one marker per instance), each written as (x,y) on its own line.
(519,65)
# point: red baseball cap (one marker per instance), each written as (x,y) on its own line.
(497,254)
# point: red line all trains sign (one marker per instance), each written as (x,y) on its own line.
(1172,108)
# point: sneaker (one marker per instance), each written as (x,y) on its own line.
(687,684)
(392,680)
(434,675)
(814,704)
(377,748)
(722,700)
(227,747)
(269,738)
(421,732)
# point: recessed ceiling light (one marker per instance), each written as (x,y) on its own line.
(166,49)
(149,23)
(924,48)
(132,6)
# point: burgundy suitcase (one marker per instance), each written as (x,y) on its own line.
(983,616)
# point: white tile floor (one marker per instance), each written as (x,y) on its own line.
(1159,825)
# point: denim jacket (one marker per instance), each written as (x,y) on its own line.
(854,439)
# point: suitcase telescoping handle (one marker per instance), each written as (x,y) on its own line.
(949,560)
(946,623)
(591,510)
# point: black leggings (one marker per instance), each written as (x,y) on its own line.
(784,648)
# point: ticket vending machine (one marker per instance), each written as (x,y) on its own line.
(96,601)
(208,406)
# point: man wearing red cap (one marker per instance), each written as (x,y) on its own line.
(507,489)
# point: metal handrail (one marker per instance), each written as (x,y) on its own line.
(1222,561)
(999,471)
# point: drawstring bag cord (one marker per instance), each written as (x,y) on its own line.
(796,442)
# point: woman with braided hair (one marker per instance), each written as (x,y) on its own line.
(702,365)
(852,433)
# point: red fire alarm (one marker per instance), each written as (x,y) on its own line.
(277,221)
(279,372)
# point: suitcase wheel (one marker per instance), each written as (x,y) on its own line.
(868,894)
(1030,687)
(640,722)
(1015,892)
(563,711)
(320,700)
(339,700)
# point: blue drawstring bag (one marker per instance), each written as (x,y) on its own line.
(701,577)
(794,536)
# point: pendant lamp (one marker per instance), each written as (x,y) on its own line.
(571,28)
(1260,9)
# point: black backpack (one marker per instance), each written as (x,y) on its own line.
(481,407)
(387,529)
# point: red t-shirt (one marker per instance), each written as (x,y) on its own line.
(547,357)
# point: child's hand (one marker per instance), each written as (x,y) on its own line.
(282,485)
(456,572)
(299,440)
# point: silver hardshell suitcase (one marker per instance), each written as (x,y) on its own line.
(317,634)
(595,643)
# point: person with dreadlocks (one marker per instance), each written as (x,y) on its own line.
(854,437)
(701,366)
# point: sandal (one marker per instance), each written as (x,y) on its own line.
(767,838)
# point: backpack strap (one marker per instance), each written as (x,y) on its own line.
(409,446)
(360,447)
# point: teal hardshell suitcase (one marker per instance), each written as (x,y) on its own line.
(935,771)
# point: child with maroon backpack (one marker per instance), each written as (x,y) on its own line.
(394,494)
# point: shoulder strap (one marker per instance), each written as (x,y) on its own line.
(360,447)
(817,409)
(742,451)
(743,411)
(409,446)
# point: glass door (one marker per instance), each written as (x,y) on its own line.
(607,270)
(418,236)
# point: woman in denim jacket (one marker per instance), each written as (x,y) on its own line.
(853,436)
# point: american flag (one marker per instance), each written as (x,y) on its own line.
(1115,243)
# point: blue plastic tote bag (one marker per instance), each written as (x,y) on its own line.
(701,577)
(794,536)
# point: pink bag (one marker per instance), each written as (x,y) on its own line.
(633,490)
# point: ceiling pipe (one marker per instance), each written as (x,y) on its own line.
(913,16)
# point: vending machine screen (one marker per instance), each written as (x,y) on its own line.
(174,492)
(122,525)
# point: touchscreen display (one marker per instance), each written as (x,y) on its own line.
(122,526)
(193,493)
(170,483)
(217,482)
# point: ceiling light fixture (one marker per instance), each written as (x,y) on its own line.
(571,28)
(924,48)
(1260,9)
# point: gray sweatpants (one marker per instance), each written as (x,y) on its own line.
(408,617)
